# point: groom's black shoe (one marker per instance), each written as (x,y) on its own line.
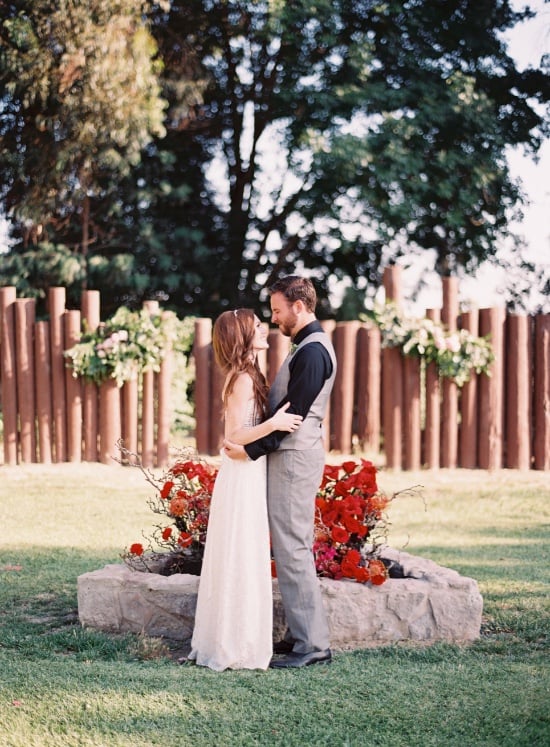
(295,660)
(283,647)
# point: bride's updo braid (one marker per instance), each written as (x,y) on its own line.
(232,339)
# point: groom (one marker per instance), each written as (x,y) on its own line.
(295,468)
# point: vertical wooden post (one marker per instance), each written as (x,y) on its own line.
(109,421)
(25,310)
(449,435)
(43,379)
(542,392)
(90,308)
(73,389)
(279,345)
(368,387)
(148,405)
(432,433)
(411,412)
(56,304)
(8,375)
(392,377)
(203,390)
(518,392)
(148,418)
(491,391)
(468,403)
(262,354)
(130,407)
(216,407)
(328,325)
(345,335)
(164,379)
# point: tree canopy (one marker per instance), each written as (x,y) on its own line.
(333,136)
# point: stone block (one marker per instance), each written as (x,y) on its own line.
(431,603)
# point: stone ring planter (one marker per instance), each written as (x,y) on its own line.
(431,603)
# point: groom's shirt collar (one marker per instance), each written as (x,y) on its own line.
(314,326)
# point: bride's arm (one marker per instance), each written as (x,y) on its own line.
(235,416)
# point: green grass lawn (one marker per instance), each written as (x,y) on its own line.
(62,686)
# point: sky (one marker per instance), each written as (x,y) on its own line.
(527,44)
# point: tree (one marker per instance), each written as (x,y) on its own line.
(333,136)
(80,98)
(344,134)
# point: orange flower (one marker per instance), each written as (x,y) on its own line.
(378,572)
(178,506)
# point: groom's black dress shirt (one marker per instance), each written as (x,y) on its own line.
(309,368)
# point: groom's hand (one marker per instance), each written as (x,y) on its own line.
(234,451)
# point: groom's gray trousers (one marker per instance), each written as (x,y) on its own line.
(293,478)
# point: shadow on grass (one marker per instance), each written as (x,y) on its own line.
(38,603)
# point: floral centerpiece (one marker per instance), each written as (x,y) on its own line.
(350,521)
(128,343)
(455,353)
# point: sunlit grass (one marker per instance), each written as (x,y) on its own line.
(64,686)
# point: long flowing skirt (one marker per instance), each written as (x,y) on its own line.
(234,616)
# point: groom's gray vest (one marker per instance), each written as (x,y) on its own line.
(310,434)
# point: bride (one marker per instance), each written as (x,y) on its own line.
(234,616)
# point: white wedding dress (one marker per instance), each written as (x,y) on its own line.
(234,616)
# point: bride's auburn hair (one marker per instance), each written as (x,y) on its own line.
(232,339)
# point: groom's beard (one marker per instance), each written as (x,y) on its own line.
(289,325)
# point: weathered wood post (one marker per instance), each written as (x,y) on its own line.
(25,312)
(542,392)
(468,437)
(491,392)
(279,346)
(148,405)
(164,408)
(518,392)
(345,335)
(449,436)
(73,389)
(328,325)
(203,389)
(8,373)
(432,429)
(411,412)
(369,356)
(56,307)
(110,431)
(90,310)
(43,378)
(392,377)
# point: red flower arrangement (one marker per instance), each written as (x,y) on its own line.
(183,496)
(350,524)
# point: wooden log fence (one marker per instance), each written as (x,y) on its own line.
(49,416)
(383,403)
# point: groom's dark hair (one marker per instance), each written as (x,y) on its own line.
(295,288)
